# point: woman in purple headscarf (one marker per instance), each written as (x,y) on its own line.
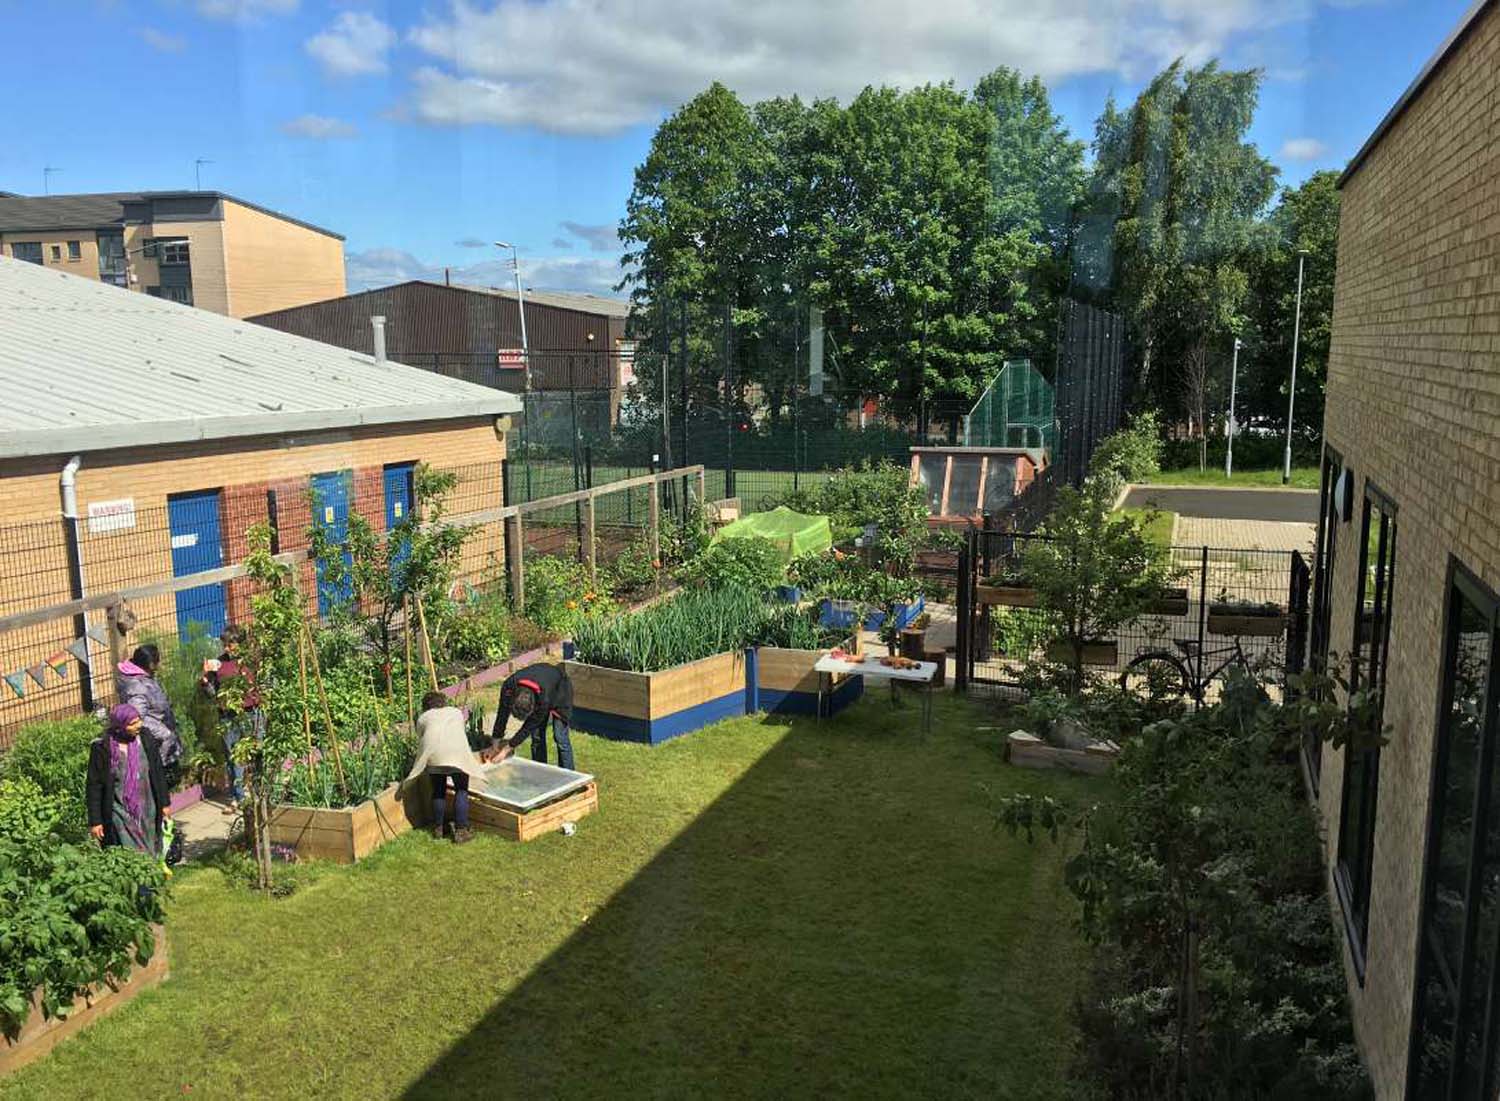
(127,790)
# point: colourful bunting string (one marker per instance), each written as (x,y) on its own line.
(99,635)
(17,682)
(38,673)
(79,648)
(58,663)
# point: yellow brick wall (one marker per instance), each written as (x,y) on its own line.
(205,252)
(87,263)
(1414,407)
(274,264)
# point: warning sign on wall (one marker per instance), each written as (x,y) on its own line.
(107,516)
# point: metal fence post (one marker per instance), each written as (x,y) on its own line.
(964,597)
(1202,613)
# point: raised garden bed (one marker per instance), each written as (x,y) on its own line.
(787,684)
(1172,601)
(1264,621)
(653,707)
(1098,652)
(343,834)
(40,1035)
(1028,751)
(840,614)
(1009,596)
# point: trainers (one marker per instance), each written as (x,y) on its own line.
(463,837)
(437,832)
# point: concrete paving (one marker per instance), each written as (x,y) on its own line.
(206,828)
(1275,505)
(1271,535)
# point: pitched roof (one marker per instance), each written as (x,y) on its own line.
(85,366)
(562,300)
(39,213)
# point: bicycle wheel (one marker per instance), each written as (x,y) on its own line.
(1157,677)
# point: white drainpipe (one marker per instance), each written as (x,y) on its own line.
(70,487)
(378,324)
(68,483)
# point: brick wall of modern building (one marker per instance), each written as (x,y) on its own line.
(1413,406)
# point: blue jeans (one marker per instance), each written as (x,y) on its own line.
(460,798)
(560,736)
(235,729)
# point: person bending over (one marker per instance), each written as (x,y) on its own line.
(530,697)
(443,753)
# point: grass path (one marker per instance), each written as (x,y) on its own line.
(1303,477)
(759,909)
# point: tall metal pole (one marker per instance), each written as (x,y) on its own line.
(1229,429)
(515,264)
(1291,400)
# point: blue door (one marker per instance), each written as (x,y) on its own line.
(398,498)
(331,493)
(193,521)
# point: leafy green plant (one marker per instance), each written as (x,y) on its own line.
(1021,632)
(878,493)
(71,913)
(793,628)
(695,624)
(752,564)
(560,595)
(471,632)
(1132,454)
(633,571)
(54,755)
(682,538)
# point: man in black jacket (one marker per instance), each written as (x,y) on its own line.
(126,790)
(533,695)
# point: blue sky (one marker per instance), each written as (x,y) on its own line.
(423,131)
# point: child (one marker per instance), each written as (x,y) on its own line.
(445,756)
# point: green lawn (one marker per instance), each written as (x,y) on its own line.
(1303,477)
(1159,528)
(759,909)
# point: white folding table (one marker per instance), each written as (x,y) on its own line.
(923,673)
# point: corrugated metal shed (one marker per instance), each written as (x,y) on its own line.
(86,366)
(596,304)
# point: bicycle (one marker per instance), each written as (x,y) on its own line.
(1164,675)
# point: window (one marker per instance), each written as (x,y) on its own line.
(112,267)
(30,251)
(1453,1048)
(176,294)
(1322,612)
(169,250)
(57,254)
(75,250)
(1377,571)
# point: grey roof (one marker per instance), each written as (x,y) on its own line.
(85,366)
(1439,58)
(39,213)
(599,304)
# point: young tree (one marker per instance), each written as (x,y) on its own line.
(1093,570)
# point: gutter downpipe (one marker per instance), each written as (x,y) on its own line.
(68,483)
(377,324)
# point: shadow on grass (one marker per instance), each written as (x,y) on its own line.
(843,919)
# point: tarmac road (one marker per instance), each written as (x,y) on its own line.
(1281,505)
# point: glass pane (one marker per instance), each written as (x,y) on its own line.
(931,470)
(1000,484)
(963,491)
(522,784)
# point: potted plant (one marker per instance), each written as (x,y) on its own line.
(1171,600)
(1090,651)
(1244,617)
(1008,588)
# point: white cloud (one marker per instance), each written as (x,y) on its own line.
(1303,149)
(378,267)
(355,45)
(162,41)
(579,66)
(245,10)
(318,127)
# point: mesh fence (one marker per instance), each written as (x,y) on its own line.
(1016,410)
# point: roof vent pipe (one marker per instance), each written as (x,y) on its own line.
(378,324)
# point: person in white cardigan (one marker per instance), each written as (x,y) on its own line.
(444,755)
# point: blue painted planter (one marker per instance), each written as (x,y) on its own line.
(789,594)
(840,614)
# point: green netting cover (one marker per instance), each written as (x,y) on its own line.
(1015,410)
(794,532)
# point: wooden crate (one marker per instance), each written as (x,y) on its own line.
(343,835)
(1262,626)
(40,1035)
(1170,602)
(524,826)
(1010,596)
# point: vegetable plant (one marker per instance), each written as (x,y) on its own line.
(752,563)
(693,625)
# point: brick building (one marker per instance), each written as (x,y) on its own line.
(186,428)
(202,248)
(1409,552)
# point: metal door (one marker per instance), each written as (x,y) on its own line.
(398,501)
(193,521)
(331,493)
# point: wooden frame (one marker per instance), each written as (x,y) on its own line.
(1007,596)
(343,834)
(1097,652)
(787,683)
(653,707)
(527,826)
(1246,622)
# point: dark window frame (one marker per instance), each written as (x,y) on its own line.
(75,250)
(1324,560)
(57,253)
(1354,866)
(171,251)
(1461,584)
(30,257)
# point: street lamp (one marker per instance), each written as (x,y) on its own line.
(515,264)
(1291,400)
(1229,429)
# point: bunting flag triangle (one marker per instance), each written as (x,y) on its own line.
(17,682)
(38,673)
(58,663)
(99,635)
(79,648)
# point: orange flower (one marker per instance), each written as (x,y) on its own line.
(656,563)
(588,596)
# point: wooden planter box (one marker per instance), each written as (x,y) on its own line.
(652,707)
(1028,751)
(1170,602)
(1240,622)
(787,684)
(1009,596)
(39,1035)
(344,834)
(548,818)
(1101,652)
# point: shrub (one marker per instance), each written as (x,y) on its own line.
(1132,454)
(752,564)
(471,632)
(559,594)
(633,571)
(71,914)
(54,756)
(876,493)
(794,628)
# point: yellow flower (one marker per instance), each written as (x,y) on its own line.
(572,604)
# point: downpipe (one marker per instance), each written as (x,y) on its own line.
(68,484)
